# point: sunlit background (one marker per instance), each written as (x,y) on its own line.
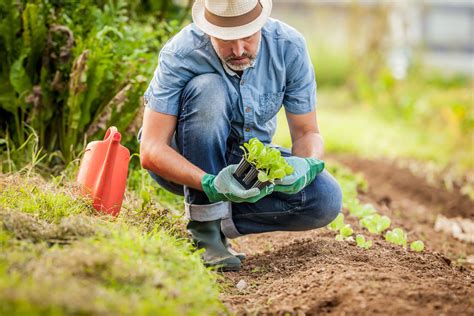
(395,79)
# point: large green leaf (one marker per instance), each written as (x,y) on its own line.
(19,79)
(34,38)
(10,26)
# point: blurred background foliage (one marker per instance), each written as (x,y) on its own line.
(395,80)
(71,68)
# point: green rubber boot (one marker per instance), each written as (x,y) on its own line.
(207,235)
(227,244)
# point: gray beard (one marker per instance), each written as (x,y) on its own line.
(242,67)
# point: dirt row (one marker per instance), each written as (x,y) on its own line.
(311,273)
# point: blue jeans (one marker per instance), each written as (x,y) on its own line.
(204,137)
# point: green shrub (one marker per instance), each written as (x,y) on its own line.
(69,69)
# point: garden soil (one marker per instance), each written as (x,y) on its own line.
(312,273)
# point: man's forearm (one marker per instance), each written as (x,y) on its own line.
(169,164)
(310,144)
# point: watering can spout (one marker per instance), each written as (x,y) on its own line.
(103,172)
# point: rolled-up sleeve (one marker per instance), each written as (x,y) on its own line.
(300,93)
(171,76)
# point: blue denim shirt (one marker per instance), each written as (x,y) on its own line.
(282,74)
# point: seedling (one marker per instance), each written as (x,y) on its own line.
(397,237)
(375,223)
(417,246)
(260,165)
(337,223)
(345,233)
(361,242)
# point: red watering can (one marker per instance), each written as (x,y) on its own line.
(103,172)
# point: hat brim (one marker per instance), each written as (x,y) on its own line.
(230,33)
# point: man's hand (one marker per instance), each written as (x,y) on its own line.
(224,187)
(305,170)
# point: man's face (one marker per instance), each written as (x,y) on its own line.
(238,54)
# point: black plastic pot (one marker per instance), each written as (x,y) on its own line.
(247,175)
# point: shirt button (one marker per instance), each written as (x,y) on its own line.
(242,82)
(247,109)
(247,129)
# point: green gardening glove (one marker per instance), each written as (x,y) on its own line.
(224,187)
(305,170)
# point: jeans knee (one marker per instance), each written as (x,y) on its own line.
(206,95)
(333,205)
(326,202)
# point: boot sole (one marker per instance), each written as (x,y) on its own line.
(229,269)
(221,268)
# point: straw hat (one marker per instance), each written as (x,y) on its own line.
(231,19)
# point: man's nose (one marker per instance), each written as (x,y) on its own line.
(238,48)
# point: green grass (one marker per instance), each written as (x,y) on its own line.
(57,258)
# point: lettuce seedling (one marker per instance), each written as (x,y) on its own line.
(345,232)
(268,161)
(397,237)
(361,242)
(337,223)
(375,223)
(417,246)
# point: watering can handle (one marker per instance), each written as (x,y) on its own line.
(114,133)
(112,137)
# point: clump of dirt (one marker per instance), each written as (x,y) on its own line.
(28,227)
(319,275)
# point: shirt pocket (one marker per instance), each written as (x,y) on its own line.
(269,105)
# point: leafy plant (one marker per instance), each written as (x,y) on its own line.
(417,246)
(70,70)
(375,223)
(267,160)
(337,223)
(361,242)
(397,237)
(345,232)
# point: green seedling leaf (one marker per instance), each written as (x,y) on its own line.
(417,246)
(397,237)
(384,223)
(267,160)
(289,170)
(339,237)
(375,223)
(262,176)
(279,173)
(346,231)
(361,242)
(337,223)
(368,244)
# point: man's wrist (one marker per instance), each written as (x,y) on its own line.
(309,145)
